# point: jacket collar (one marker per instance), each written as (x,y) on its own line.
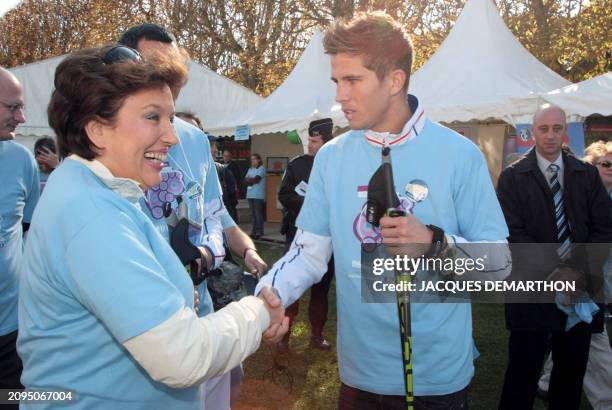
(125,187)
(530,163)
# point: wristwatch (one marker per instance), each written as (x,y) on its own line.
(437,241)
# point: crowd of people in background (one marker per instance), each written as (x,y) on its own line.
(107,283)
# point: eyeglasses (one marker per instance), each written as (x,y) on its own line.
(605,164)
(121,53)
(13,108)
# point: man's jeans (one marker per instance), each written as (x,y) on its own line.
(257,212)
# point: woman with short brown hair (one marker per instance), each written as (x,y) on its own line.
(106,308)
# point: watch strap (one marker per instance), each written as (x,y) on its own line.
(437,241)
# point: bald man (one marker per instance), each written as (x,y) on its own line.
(18,196)
(551,197)
(11,102)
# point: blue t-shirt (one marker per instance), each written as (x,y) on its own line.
(461,201)
(43,177)
(19,193)
(96,273)
(192,175)
(256,191)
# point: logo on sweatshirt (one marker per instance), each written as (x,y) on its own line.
(171,187)
(415,191)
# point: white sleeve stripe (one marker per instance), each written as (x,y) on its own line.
(221,207)
(298,249)
(212,230)
(301,267)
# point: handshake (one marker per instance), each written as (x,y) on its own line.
(279,323)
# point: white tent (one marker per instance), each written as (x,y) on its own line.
(473,75)
(307,94)
(593,96)
(213,97)
(478,68)
(209,95)
(37,82)
(588,97)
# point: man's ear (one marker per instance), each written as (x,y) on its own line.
(398,80)
(95,131)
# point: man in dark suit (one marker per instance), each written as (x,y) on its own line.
(291,195)
(229,185)
(232,166)
(550,197)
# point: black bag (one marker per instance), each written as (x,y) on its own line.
(228,283)
(225,284)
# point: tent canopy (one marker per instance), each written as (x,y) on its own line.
(37,82)
(474,75)
(209,95)
(593,96)
(307,94)
(478,68)
(213,97)
(588,97)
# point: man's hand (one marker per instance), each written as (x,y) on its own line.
(568,274)
(408,235)
(254,263)
(279,323)
(48,157)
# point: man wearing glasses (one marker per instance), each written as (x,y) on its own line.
(18,196)
(600,154)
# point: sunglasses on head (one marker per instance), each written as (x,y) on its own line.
(121,53)
(605,164)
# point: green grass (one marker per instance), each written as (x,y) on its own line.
(315,373)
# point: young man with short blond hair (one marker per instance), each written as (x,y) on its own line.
(371,59)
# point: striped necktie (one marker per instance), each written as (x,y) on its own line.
(563,232)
